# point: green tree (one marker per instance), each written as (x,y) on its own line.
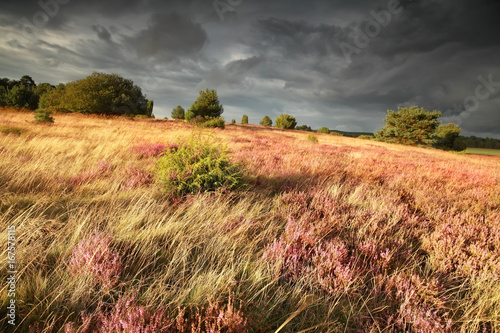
(149,109)
(446,135)
(3,96)
(244,119)
(100,93)
(324,130)
(178,112)
(53,100)
(410,126)
(266,121)
(207,105)
(285,121)
(22,96)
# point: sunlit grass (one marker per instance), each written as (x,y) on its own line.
(340,235)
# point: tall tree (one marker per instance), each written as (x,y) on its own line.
(207,105)
(410,126)
(178,112)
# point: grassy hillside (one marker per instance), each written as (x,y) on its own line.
(340,235)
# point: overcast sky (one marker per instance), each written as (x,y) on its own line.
(340,64)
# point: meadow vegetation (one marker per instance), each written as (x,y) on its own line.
(148,225)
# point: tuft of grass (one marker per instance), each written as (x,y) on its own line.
(7,129)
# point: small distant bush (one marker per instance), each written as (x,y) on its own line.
(43,116)
(233,121)
(324,130)
(244,119)
(285,121)
(312,138)
(266,121)
(366,137)
(198,120)
(214,123)
(336,133)
(200,164)
(5,129)
(304,128)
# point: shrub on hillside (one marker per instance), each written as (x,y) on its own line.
(336,133)
(213,123)
(285,121)
(244,119)
(178,112)
(200,164)
(43,116)
(324,130)
(366,137)
(233,121)
(312,138)
(266,121)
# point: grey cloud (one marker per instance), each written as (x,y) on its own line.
(168,36)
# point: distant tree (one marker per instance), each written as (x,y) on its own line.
(100,93)
(149,109)
(233,121)
(304,128)
(207,105)
(43,88)
(244,119)
(410,126)
(3,96)
(446,135)
(178,112)
(53,100)
(266,121)
(285,121)
(189,115)
(324,130)
(22,96)
(28,82)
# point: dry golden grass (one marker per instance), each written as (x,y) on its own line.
(60,183)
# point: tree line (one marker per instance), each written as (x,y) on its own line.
(99,93)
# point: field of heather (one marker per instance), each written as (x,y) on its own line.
(339,235)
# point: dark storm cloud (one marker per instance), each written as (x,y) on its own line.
(169,35)
(268,57)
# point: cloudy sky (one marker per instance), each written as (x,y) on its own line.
(335,63)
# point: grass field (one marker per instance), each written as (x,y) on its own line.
(338,235)
(483,151)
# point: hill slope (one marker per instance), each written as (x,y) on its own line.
(340,235)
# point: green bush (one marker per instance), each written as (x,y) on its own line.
(266,121)
(244,119)
(213,123)
(43,116)
(200,164)
(324,130)
(312,138)
(336,133)
(304,128)
(285,121)
(5,129)
(207,104)
(233,121)
(366,137)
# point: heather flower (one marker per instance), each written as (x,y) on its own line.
(93,257)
